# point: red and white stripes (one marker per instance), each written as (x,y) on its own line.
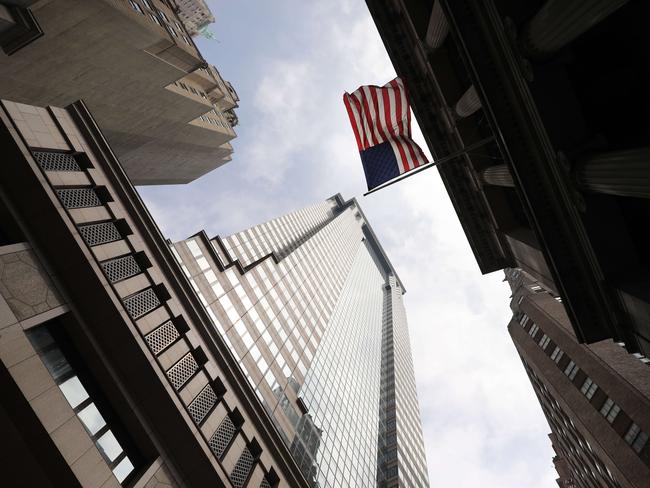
(382,114)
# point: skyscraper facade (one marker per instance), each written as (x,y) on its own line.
(312,308)
(595,397)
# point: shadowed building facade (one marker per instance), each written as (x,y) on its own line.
(596,398)
(312,308)
(111,371)
(167,114)
(557,97)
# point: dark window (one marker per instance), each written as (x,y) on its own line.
(85,398)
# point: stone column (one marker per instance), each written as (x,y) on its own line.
(559,22)
(497,176)
(438,27)
(624,173)
(468,103)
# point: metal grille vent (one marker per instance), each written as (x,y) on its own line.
(242,469)
(51,161)
(265,484)
(202,404)
(162,337)
(182,371)
(139,304)
(79,197)
(222,437)
(95,234)
(121,268)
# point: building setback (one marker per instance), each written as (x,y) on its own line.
(312,308)
(166,113)
(557,178)
(111,371)
(595,397)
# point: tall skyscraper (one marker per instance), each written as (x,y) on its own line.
(311,307)
(595,397)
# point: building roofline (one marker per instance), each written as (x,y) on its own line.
(370,235)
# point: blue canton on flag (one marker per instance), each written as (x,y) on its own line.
(381,121)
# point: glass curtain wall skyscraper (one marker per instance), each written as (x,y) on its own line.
(311,308)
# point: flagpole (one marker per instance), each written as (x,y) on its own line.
(449,157)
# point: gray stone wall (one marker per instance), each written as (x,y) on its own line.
(25,286)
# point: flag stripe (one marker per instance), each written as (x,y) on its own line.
(398,113)
(375,106)
(365,143)
(368,126)
(381,115)
(354,120)
(368,103)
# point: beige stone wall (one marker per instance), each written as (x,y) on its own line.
(119,62)
(29,298)
(34,380)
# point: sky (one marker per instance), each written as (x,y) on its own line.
(290,62)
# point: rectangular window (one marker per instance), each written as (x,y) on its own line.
(632,432)
(556,352)
(203,263)
(589,388)
(571,370)
(543,342)
(610,410)
(533,330)
(81,392)
(640,442)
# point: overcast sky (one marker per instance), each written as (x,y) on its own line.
(290,62)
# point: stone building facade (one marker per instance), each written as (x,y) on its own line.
(111,371)
(166,113)
(596,397)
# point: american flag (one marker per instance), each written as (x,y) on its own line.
(381,121)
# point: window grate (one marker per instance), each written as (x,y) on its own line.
(95,234)
(202,404)
(79,197)
(161,338)
(242,469)
(182,371)
(52,161)
(265,483)
(142,302)
(121,268)
(222,437)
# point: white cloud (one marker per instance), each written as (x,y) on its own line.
(481,421)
